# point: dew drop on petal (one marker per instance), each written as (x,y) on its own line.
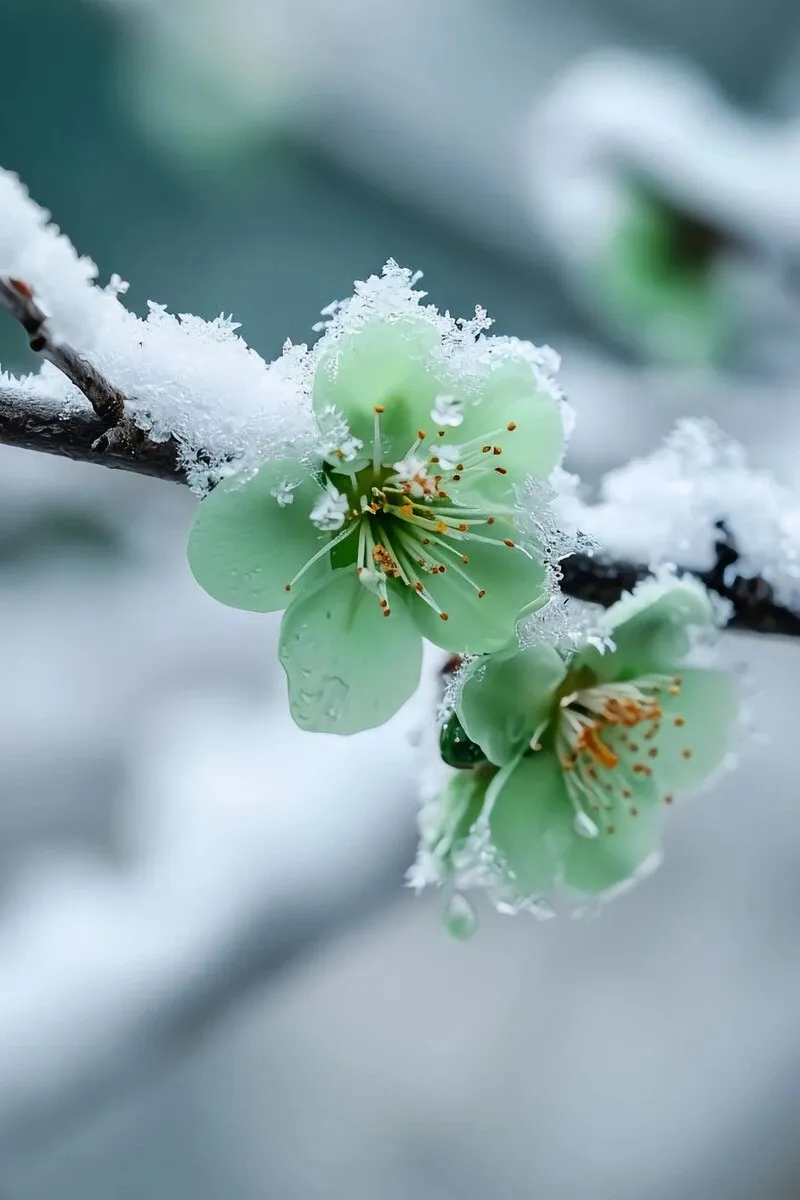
(460,918)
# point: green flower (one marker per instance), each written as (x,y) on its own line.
(579,754)
(402,526)
(656,281)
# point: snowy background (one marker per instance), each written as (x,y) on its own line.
(212,981)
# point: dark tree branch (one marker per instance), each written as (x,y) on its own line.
(108,436)
(754,607)
(36,424)
(115,434)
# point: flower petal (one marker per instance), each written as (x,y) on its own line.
(650,628)
(457,809)
(385,362)
(531,823)
(349,667)
(696,729)
(477,625)
(507,697)
(244,547)
(508,410)
(628,834)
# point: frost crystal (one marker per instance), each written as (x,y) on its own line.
(284,492)
(329,512)
(447,411)
(335,439)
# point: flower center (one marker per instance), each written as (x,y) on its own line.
(604,736)
(403,521)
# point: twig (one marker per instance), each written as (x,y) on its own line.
(108,436)
(32,423)
(754,608)
(115,432)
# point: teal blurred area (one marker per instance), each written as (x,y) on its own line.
(212,980)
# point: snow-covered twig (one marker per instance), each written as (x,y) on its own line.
(111,430)
(32,422)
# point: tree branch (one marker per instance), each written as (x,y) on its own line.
(602,581)
(37,425)
(108,436)
(32,423)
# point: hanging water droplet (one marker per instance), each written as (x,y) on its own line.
(460,918)
(584,825)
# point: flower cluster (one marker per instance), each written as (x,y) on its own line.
(405,522)
(566,761)
(416,506)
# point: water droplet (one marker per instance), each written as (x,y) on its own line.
(585,826)
(334,694)
(460,918)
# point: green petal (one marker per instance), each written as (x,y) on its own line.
(650,628)
(507,698)
(458,808)
(629,829)
(706,708)
(244,547)
(507,395)
(511,580)
(531,823)
(386,362)
(349,667)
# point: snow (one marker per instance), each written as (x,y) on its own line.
(184,376)
(665,507)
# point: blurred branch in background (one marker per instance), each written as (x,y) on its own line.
(109,975)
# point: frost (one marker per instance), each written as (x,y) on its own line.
(464,349)
(667,508)
(565,623)
(330,510)
(548,516)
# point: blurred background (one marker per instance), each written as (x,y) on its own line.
(212,981)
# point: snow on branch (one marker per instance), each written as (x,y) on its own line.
(695,501)
(184,399)
(176,378)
